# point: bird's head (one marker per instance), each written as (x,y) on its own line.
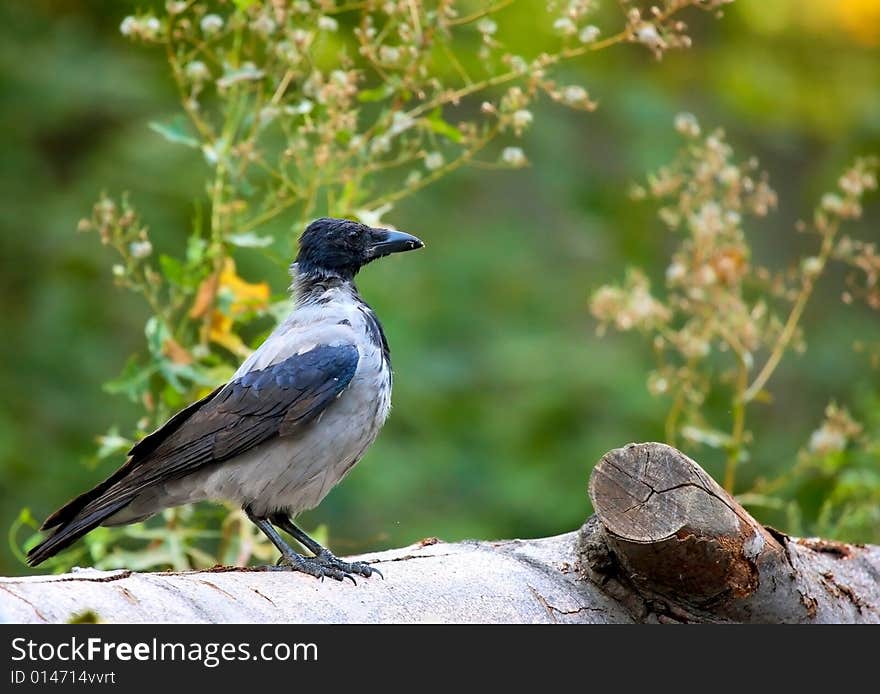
(342,247)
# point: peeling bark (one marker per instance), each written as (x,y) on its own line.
(667,544)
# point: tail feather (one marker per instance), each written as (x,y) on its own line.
(73,528)
(75,507)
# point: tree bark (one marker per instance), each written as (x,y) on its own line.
(666,544)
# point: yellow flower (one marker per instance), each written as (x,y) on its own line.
(227,296)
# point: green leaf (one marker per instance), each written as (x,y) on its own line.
(132,382)
(195,249)
(157,333)
(172,269)
(250,240)
(436,123)
(176,131)
(112,443)
(243,4)
(383,91)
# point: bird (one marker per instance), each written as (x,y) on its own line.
(292,421)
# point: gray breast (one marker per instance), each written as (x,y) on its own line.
(295,473)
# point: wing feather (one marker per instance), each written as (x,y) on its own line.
(277,400)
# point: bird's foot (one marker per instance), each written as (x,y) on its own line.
(325,564)
(310,566)
(327,559)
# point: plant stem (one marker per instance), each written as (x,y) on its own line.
(794,318)
(479,14)
(438,173)
(739,424)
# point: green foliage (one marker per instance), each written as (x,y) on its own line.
(727,322)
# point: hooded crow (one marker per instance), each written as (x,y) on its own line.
(292,421)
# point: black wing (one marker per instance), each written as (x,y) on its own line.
(261,405)
(275,401)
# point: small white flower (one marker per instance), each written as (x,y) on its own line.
(210,154)
(300,36)
(574,94)
(140,249)
(522,119)
(433,161)
(264,25)
(197,71)
(211,24)
(826,440)
(129,26)
(832,203)
(518,64)
(513,156)
(647,34)
(175,6)
(118,270)
(487,26)
(565,26)
(657,384)
(326,23)
(675,272)
(151,27)
(729,175)
(389,54)
(340,77)
(811,266)
(380,145)
(588,34)
(268,114)
(686,124)
(400,122)
(732,218)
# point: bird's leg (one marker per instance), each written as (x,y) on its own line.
(322,555)
(290,559)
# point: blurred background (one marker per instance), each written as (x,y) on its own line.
(504,396)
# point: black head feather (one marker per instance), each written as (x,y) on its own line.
(341,247)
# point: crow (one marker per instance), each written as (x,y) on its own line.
(287,427)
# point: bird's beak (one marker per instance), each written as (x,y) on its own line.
(393,242)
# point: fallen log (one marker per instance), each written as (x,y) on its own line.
(666,544)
